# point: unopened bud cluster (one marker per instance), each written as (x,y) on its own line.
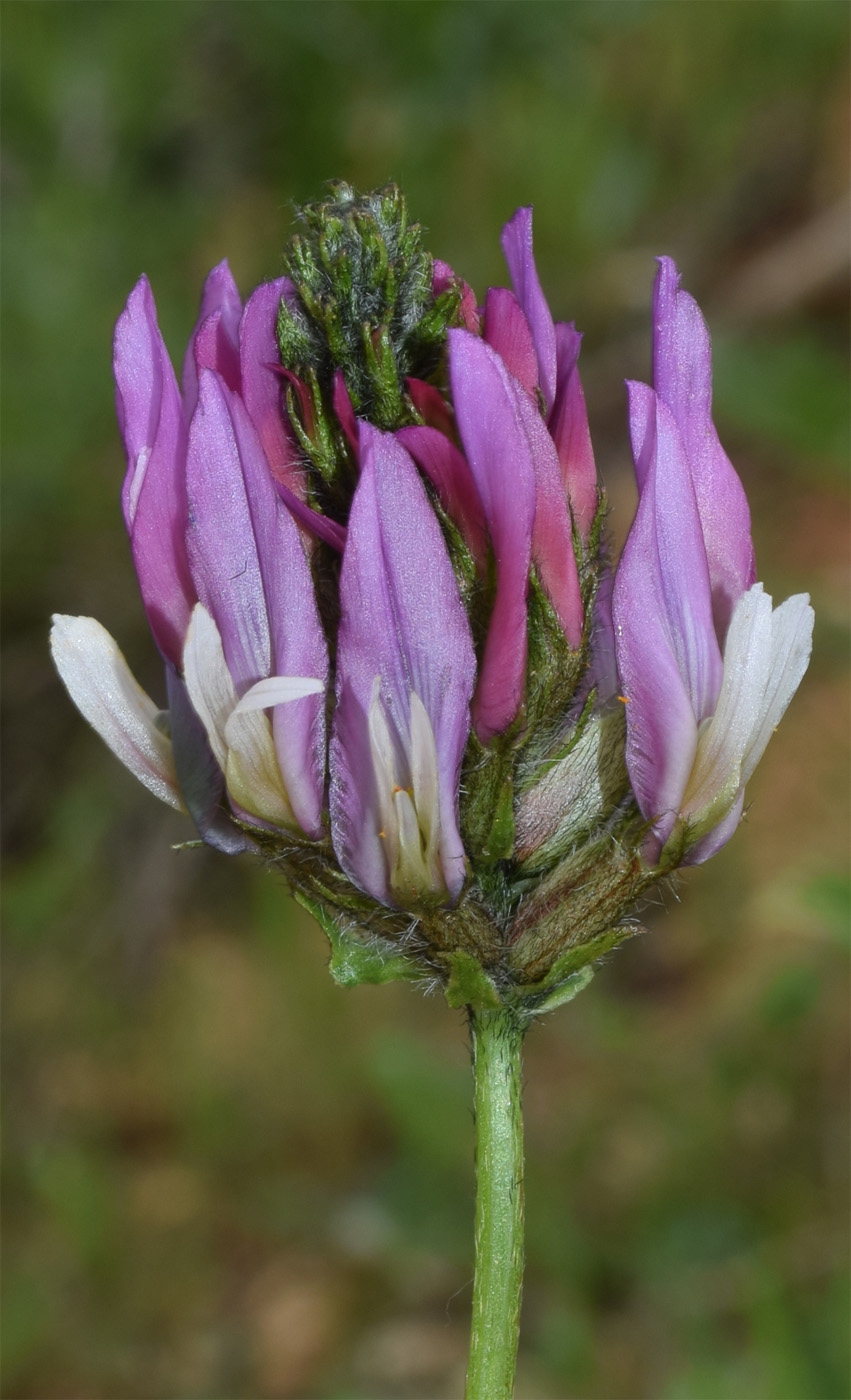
(368,531)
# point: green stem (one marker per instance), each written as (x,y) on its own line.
(497,1066)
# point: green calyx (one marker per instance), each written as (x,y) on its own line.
(354,959)
(470,986)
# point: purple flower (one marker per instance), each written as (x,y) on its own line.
(254,586)
(223,573)
(151,419)
(706,667)
(405,674)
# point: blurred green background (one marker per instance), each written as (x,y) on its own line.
(226,1177)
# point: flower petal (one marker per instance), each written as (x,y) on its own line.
(220,538)
(443,278)
(106,693)
(278,690)
(431,406)
(449,473)
(765,657)
(241,742)
(724,739)
(552,534)
(424,779)
(321,527)
(709,845)
(517,247)
(252,774)
(409,817)
(261,385)
(507,332)
(568,426)
(208,680)
(682,377)
(150,417)
(602,661)
(678,566)
(219,342)
(791,648)
(215,348)
(497,448)
(668,658)
(344,409)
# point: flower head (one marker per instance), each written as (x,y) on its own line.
(367,528)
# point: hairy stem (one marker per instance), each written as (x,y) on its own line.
(497,1066)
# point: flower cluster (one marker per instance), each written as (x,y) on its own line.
(368,533)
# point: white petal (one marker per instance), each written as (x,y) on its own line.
(765,656)
(724,739)
(277,690)
(208,680)
(383,755)
(252,773)
(412,876)
(791,647)
(106,693)
(240,735)
(424,778)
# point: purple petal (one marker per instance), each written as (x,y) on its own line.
(602,662)
(517,247)
(218,343)
(448,471)
(298,641)
(568,426)
(214,349)
(682,377)
(221,541)
(402,620)
(668,656)
(552,536)
(254,579)
(680,559)
(261,386)
(497,448)
(507,331)
(150,418)
(344,409)
(303,396)
(322,527)
(443,278)
(431,406)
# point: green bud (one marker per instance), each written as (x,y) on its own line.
(364,302)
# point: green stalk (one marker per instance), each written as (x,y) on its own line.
(497,1066)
